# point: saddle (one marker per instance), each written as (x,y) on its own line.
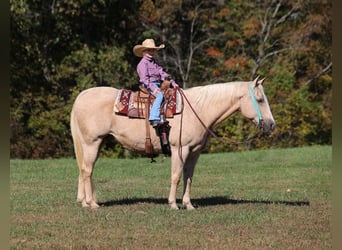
(137,104)
(133,103)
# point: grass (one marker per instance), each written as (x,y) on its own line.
(273,199)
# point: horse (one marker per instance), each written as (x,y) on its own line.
(92,119)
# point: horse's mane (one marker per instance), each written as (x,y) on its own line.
(213,93)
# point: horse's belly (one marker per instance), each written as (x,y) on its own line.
(136,141)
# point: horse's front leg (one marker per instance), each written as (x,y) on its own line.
(178,157)
(188,173)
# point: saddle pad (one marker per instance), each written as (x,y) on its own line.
(123,101)
(133,104)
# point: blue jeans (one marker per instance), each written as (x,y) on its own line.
(155,110)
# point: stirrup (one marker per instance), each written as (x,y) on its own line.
(156,123)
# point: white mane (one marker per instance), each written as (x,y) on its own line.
(203,95)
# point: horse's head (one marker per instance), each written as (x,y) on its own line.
(254,105)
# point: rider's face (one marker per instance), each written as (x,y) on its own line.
(150,52)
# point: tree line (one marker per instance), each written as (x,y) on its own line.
(59,48)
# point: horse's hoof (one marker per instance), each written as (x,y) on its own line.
(94,205)
(189,206)
(84,203)
(174,206)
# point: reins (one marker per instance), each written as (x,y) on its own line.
(197,116)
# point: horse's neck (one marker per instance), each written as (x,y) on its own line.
(216,102)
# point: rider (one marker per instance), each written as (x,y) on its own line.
(151,74)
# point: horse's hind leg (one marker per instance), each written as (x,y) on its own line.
(85,193)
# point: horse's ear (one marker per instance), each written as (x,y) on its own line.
(255,82)
(261,81)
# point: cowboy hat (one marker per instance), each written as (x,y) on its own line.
(146,44)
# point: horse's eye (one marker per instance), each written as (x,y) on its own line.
(260,100)
(259,96)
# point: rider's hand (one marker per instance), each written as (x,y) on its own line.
(174,84)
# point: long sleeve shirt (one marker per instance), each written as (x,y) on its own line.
(150,71)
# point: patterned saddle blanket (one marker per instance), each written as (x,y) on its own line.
(133,104)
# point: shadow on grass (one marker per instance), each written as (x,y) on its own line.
(203,202)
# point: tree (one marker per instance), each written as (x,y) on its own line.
(59,48)
(185,27)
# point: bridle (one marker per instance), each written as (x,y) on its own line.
(255,104)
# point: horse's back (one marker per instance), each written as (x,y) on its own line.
(96,95)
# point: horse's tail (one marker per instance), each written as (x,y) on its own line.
(76,139)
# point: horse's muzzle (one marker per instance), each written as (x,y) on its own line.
(267,126)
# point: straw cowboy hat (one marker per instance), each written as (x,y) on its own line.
(146,44)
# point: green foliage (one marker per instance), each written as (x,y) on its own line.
(60,48)
(86,68)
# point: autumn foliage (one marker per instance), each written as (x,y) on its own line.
(59,48)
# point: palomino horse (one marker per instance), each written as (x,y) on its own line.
(92,118)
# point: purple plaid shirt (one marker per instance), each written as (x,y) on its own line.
(150,71)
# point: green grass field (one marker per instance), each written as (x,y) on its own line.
(273,199)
